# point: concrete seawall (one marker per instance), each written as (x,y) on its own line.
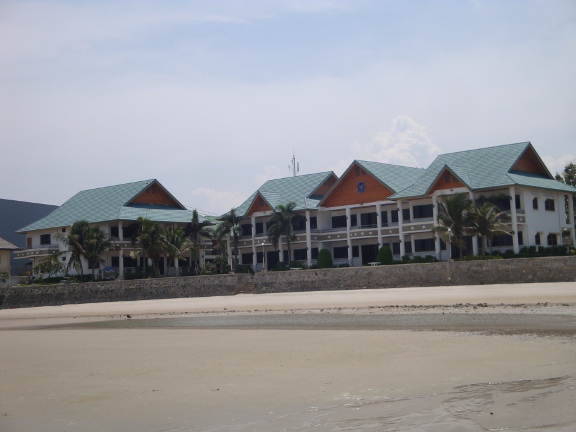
(526,270)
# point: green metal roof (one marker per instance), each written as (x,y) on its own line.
(483,169)
(108,204)
(281,191)
(395,177)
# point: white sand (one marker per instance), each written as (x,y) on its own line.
(168,379)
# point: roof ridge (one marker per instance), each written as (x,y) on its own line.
(485,148)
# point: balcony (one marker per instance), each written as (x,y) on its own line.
(40,251)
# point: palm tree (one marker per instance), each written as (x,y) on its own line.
(150,235)
(96,244)
(280,224)
(176,243)
(487,222)
(219,239)
(455,217)
(231,222)
(196,230)
(76,242)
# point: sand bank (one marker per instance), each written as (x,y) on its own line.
(96,372)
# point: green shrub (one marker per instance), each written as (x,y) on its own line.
(385,256)
(532,249)
(324,259)
(406,259)
(280,266)
(509,253)
(524,250)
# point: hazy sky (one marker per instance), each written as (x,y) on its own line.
(213,97)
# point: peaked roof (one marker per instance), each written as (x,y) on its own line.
(111,203)
(299,189)
(6,245)
(483,169)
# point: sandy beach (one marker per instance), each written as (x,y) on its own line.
(473,358)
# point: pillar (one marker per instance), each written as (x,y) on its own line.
(401,229)
(435,216)
(515,245)
(348,227)
(474,238)
(308,240)
(379,222)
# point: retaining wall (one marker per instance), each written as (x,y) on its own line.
(526,270)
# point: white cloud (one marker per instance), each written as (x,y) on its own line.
(406,143)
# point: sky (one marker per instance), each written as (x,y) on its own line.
(213,98)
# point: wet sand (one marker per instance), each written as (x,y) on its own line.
(436,359)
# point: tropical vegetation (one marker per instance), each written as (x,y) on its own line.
(281,222)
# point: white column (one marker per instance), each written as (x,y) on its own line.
(474,238)
(512,192)
(308,239)
(401,229)
(571,218)
(379,222)
(120,232)
(348,239)
(435,216)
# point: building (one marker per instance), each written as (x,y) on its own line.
(6,249)
(115,210)
(14,215)
(375,204)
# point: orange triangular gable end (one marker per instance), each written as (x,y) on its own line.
(155,194)
(357,186)
(530,162)
(325,186)
(258,205)
(446,180)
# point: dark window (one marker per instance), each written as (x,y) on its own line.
(425,245)
(313,222)
(353,220)
(314,253)
(535,203)
(63,229)
(259,257)
(64,258)
(407,247)
(338,221)
(285,256)
(537,239)
(45,239)
(396,248)
(549,204)
(355,251)
(394,216)
(405,214)
(247,258)
(340,252)
(299,224)
(384,218)
(369,219)
(517,198)
(502,240)
(300,254)
(259,227)
(130,231)
(552,239)
(114,231)
(423,211)
(129,262)
(520,238)
(246,229)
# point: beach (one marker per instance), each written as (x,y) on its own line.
(470,358)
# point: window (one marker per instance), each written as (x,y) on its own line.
(64,259)
(338,221)
(408,247)
(299,224)
(368,219)
(353,220)
(314,253)
(405,214)
(300,254)
(423,211)
(549,204)
(535,203)
(384,218)
(502,240)
(520,238)
(537,239)
(259,257)
(394,216)
(45,239)
(63,229)
(552,239)
(246,229)
(425,245)
(517,202)
(259,227)
(396,248)
(340,252)
(247,258)
(355,251)
(313,222)
(114,231)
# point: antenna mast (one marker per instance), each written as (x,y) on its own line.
(294,166)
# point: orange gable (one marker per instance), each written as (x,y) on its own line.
(259,205)
(446,180)
(357,187)
(529,162)
(325,187)
(155,194)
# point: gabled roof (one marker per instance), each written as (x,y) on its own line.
(299,189)
(113,203)
(485,168)
(6,245)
